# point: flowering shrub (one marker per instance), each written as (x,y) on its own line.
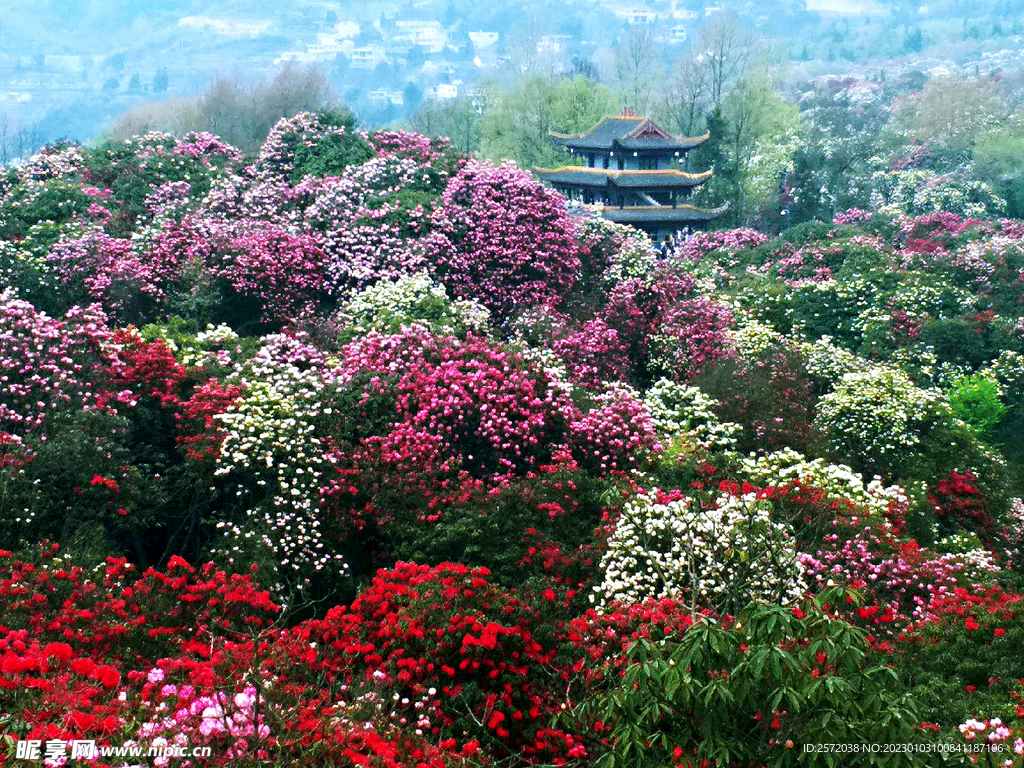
(409,405)
(877,419)
(757,688)
(593,354)
(679,411)
(440,644)
(611,252)
(615,435)
(693,335)
(838,481)
(729,241)
(51,366)
(667,545)
(503,239)
(272,454)
(387,306)
(310,144)
(959,656)
(769,394)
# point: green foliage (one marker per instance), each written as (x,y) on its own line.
(975,400)
(28,204)
(999,160)
(517,124)
(754,692)
(526,517)
(333,152)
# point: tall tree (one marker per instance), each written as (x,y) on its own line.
(724,47)
(638,70)
(458,120)
(686,97)
(518,120)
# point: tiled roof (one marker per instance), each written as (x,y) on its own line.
(627,132)
(632,179)
(655,213)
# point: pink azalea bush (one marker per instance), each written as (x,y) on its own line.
(501,237)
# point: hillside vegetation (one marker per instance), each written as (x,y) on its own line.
(362,452)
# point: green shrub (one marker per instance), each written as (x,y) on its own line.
(975,400)
(754,692)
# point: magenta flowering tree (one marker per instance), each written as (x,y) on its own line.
(638,308)
(504,239)
(614,436)
(593,354)
(50,366)
(283,271)
(110,270)
(729,240)
(694,334)
(477,404)
(370,218)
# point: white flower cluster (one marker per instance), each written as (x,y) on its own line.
(919,299)
(635,256)
(1008,370)
(719,558)
(681,411)
(878,415)
(837,480)
(272,450)
(384,305)
(751,336)
(212,345)
(828,362)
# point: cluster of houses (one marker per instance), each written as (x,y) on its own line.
(444,60)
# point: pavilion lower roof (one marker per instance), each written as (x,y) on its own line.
(580,176)
(653,214)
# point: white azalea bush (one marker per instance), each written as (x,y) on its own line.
(273,460)
(683,412)
(877,419)
(751,336)
(388,305)
(216,345)
(666,545)
(628,252)
(827,362)
(838,481)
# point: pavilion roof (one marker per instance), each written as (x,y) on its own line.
(639,214)
(630,179)
(628,132)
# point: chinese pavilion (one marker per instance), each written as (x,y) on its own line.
(632,175)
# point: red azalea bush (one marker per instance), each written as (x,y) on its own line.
(454,654)
(962,657)
(959,502)
(115,612)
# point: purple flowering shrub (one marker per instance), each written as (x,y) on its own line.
(503,238)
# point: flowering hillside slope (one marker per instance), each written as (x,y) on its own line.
(364,453)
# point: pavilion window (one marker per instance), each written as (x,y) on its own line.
(590,160)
